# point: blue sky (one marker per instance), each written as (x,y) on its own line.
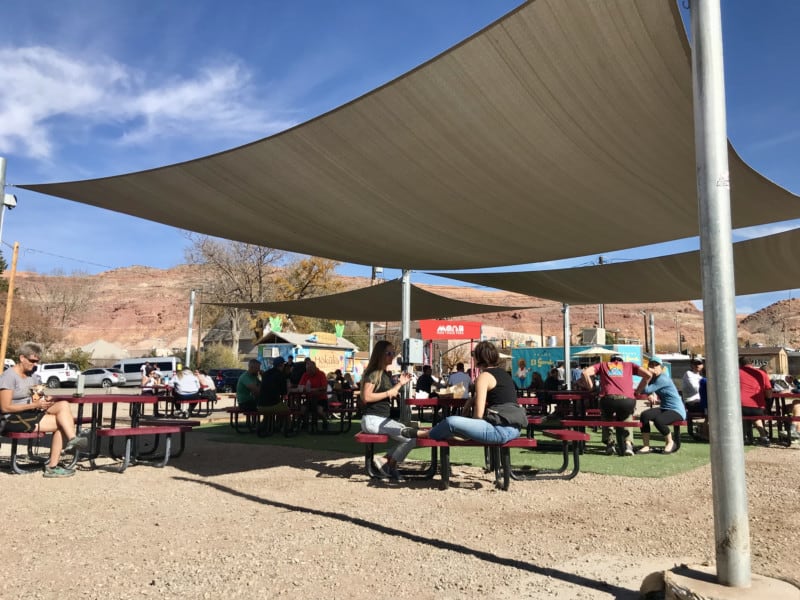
(92,88)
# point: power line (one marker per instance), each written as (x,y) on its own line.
(78,260)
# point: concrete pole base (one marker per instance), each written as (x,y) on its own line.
(694,582)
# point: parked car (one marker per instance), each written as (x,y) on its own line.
(58,374)
(225,379)
(103,377)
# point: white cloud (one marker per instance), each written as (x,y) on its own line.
(42,91)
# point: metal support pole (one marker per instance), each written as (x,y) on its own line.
(567,348)
(405,333)
(728,486)
(371,324)
(601,309)
(652,335)
(188,362)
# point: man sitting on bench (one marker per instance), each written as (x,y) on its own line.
(616,396)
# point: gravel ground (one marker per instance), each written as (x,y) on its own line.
(243,521)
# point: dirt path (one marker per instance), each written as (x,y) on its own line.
(245,521)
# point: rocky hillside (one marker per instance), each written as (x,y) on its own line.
(140,308)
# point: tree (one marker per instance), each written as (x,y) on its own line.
(239,272)
(62,297)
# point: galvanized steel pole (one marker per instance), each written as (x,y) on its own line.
(731,528)
(405,413)
(188,361)
(567,342)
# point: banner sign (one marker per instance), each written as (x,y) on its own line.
(433,329)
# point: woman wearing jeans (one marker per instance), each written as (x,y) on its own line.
(377,392)
(493,388)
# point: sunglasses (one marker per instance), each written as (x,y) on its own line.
(31,360)
(390,353)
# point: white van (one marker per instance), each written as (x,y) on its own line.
(132,367)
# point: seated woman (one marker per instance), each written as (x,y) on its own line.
(185,386)
(377,392)
(671,408)
(149,384)
(496,417)
(25,408)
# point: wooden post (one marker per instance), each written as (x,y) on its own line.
(7,321)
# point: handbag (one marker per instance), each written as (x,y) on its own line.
(23,422)
(507,414)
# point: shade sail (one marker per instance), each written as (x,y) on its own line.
(596,351)
(382,302)
(765,264)
(545,136)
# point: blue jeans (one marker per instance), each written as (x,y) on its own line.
(386,426)
(474,429)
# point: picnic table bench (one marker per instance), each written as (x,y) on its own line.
(499,456)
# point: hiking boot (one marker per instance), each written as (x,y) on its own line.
(409,432)
(78,442)
(57,471)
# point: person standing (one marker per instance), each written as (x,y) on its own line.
(377,392)
(25,408)
(522,374)
(617,400)
(670,408)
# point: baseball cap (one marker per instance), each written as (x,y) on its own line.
(653,362)
(616,358)
(278,361)
(697,361)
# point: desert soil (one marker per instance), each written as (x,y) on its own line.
(230,520)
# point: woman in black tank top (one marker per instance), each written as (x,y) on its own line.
(493,388)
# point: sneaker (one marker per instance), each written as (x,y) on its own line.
(763,441)
(386,471)
(628,449)
(57,471)
(611,449)
(409,432)
(78,442)
(378,464)
(795,434)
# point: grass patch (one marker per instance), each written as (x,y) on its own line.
(691,455)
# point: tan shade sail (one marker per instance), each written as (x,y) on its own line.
(765,264)
(547,135)
(382,302)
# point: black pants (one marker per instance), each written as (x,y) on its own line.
(661,418)
(616,408)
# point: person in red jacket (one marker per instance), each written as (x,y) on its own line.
(754,388)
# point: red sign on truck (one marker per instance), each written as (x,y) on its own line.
(433,329)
